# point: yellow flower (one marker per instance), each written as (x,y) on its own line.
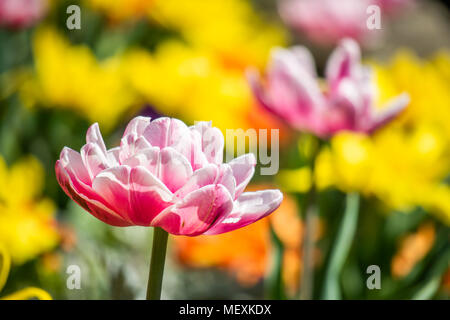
(232,28)
(405,163)
(118,10)
(295,180)
(27,224)
(24,294)
(69,76)
(190,83)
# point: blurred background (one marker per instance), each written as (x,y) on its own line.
(187,59)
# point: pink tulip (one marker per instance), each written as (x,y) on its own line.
(328,21)
(21,13)
(394,6)
(346,101)
(164,174)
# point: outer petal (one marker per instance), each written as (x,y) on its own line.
(344,62)
(305,58)
(259,92)
(286,68)
(202,177)
(249,208)
(72,160)
(113,185)
(243,168)
(148,196)
(226,178)
(291,92)
(394,107)
(86,198)
(196,212)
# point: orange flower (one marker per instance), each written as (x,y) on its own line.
(412,249)
(246,253)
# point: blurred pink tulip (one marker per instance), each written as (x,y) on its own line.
(294,93)
(328,21)
(167,175)
(392,6)
(21,13)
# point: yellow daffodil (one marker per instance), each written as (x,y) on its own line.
(405,163)
(232,29)
(182,81)
(118,10)
(69,76)
(27,224)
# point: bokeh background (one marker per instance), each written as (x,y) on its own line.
(187,59)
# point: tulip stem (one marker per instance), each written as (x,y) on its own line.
(158,258)
(341,248)
(274,282)
(308,242)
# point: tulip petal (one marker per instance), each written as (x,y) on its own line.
(175,169)
(72,160)
(94,159)
(226,178)
(113,186)
(293,92)
(212,141)
(137,126)
(202,177)
(113,156)
(343,63)
(196,212)
(131,145)
(389,111)
(196,157)
(305,59)
(249,208)
(93,135)
(255,82)
(148,158)
(243,168)
(80,196)
(148,196)
(165,132)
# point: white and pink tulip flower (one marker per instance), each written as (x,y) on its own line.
(346,101)
(164,174)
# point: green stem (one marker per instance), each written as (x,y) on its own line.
(156,272)
(307,278)
(310,209)
(341,248)
(274,287)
